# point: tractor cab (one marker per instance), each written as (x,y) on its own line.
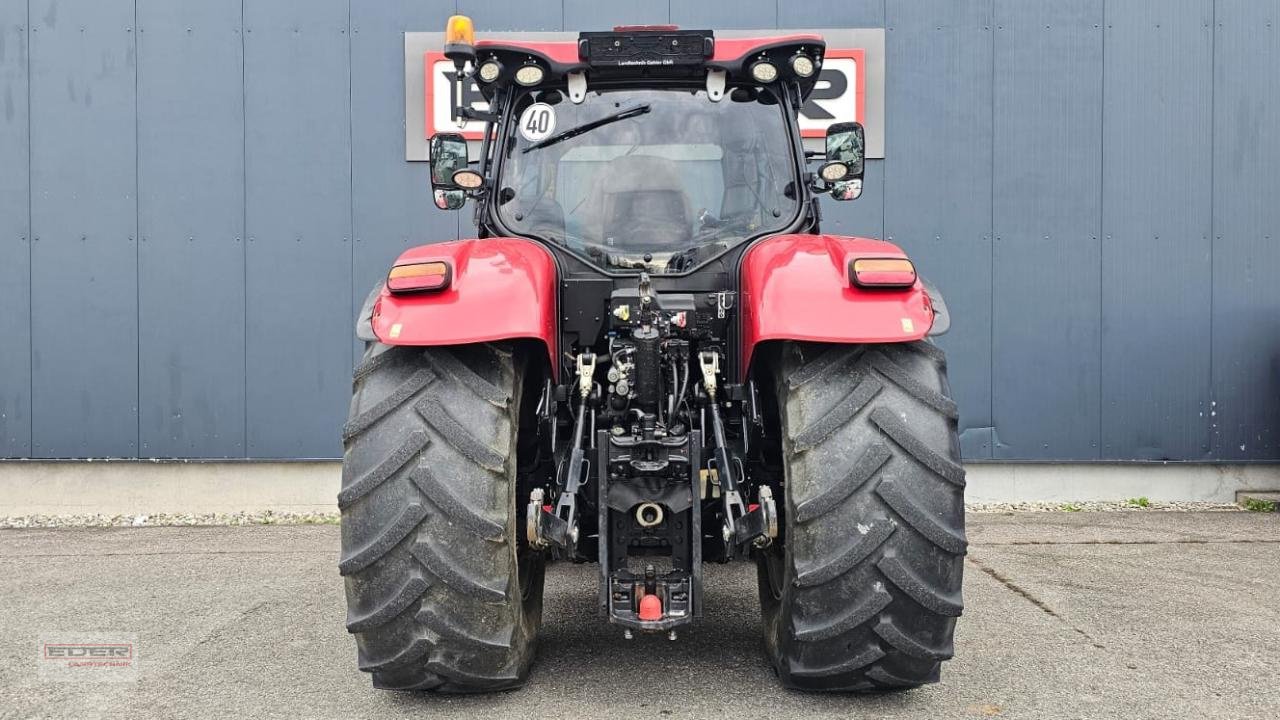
(644,148)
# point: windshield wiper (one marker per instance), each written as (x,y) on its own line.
(589,126)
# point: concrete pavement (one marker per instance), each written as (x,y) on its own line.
(1089,615)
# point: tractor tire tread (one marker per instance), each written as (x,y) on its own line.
(408,519)
(908,581)
(453,433)
(863,593)
(851,617)
(903,379)
(896,429)
(371,362)
(430,554)
(407,389)
(836,418)
(409,592)
(847,665)
(441,625)
(868,464)
(454,507)
(447,363)
(920,519)
(890,633)
(828,359)
(434,559)
(355,488)
(844,559)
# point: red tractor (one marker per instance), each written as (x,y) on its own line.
(651,358)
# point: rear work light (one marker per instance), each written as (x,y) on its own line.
(802,65)
(764,72)
(419,277)
(530,75)
(882,272)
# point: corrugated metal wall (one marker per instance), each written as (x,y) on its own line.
(195,196)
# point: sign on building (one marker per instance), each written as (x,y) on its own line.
(850,86)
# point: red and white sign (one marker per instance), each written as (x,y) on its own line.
(839,96)
(440,93)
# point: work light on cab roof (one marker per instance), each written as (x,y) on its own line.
(630,51)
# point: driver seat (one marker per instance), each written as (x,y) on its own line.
(644,205)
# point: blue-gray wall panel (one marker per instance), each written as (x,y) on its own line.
(832,13)
(15,226)
(747,14)
(298,213)
(603,15)
(390,198)
(1156,218)
(1245,418)
(1048,203)
(498,15)
(191,305)
(84,227)
(863,217)
(938,180)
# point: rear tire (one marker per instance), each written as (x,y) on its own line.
(441,593)
(864,594)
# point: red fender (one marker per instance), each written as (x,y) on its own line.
(797,287)
(502,288)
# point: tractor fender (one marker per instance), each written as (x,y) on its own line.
(941,316)
(797,287)
(364,321)
(501,289)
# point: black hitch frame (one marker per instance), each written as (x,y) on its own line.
(621,589)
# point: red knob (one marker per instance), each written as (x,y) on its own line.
(650,608)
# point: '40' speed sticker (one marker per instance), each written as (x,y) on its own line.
(537,122)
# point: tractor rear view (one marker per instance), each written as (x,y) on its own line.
(650,358)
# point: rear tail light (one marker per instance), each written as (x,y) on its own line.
(419,277)
(882,272)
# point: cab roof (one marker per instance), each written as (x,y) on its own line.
(733,55)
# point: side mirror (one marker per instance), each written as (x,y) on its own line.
(448,156)
(449,199)
(846,146)
(847,189)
